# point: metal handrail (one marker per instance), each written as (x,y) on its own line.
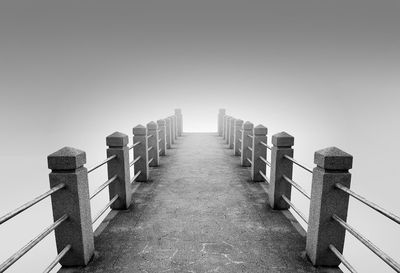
(297,186)
(101,163)
(134,144)
(136,176)
(57,259)
(263,175)
(302,216)
(265,161)
(251,162)
(150,161)
(298,164)
(149,136)
(135,160)
(392,263)
(266,145)
(17,255)
(105,208)
(149,149)
(250,149)
(29,204)
(372,205)
(342,259)
(103,186)
(250,136)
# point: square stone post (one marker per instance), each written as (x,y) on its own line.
(278,186)
(117,145)
(246,153)
(175,127)
(237,142)
(231,132)
(221,115)
(168,132)
(228,127)
(140,150)
(259,135)
(153,148)
(332,167)
(67,167)
(162,141)
(225,127)
(171,119)
(179,121)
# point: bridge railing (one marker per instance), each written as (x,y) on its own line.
(330,188)
(69,188)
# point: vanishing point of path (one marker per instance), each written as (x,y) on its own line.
(199,213)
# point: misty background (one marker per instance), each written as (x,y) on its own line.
(73,72)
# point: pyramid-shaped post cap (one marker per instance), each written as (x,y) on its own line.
(161,122)
(282,139)
(222,111)
(66,158)
(178,111)
(248,125)
(152,125)
(333,158)
(117,139)
(238,122)
(260,130)
(139,130)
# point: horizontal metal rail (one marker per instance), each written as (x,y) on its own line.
(151,159)
(264,176)
(29,204)
(136,176)
(135,160)
(392,263)
(251,162)
(372,205)
(302,216)
(10,261)
(265,161)
(105,208)
(266,145)
(250,149)
(298,164)
(103,186)
(149,149)
(342,259)
(250,136)
(134,145)
(149,136)
(297,186)
(101,163)
(57,259)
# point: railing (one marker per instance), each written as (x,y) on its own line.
(250,143)
(69,185)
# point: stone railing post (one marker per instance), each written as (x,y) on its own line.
(117,145)
(172,135)
(168,133)
(246,153)
(231,132)
(259,135)
(179,121)
(228,127)
(67,166)
(174,117)
(237,142)
(221,115)
(280,166)
(162,137)
(140,150)
(332,167)
(152,142)
(225,127)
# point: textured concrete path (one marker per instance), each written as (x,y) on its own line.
(200,213)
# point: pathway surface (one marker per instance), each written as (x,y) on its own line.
(199,213)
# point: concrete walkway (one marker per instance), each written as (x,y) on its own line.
(200,213)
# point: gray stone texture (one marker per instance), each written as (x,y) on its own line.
(200,216)
(152,142)
(171,118)
(246,143)
(140,136)
(237,136)
(73,200)
(225,127)
(260,134)
(231,133)
(228,129)
(179,121)
(168,132)
(119,166)
(174,117)
(221,115)
(332,167)
(162,137)
(280,166)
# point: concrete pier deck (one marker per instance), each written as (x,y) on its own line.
(199,213)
